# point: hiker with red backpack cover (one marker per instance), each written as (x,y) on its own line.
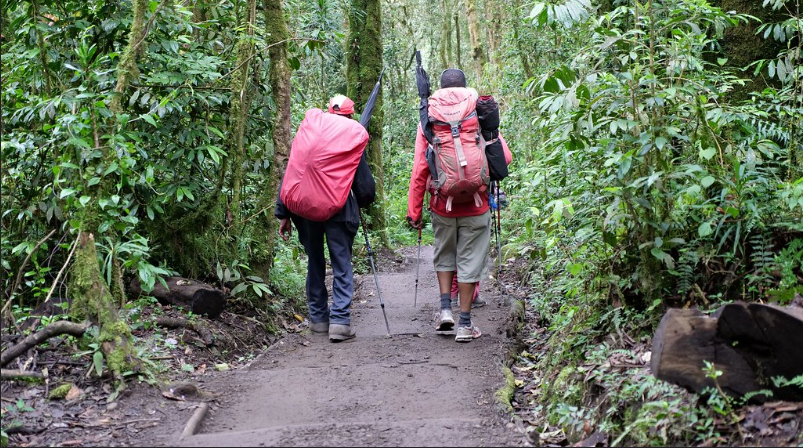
(326,182)
(451,163)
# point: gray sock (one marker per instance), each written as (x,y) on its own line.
(446,301)
(465,319)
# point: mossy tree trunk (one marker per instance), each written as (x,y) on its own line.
(127,69)
(363,65)
(495,31)
(238,116)
(524,56)
(92,300)
(457,41)
(277,36)
(446,33)
(478,54)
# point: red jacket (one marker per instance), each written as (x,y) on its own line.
(419,180)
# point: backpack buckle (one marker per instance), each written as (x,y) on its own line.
(455,131)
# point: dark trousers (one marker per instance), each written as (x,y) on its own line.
(339,238)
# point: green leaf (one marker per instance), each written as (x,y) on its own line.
(148,118)
(112,168)
(79,142)
(93,181)
(705,229)
(97,361)
(708,153)
(84,200)
(734,212)
(707,181)
(239,288)
(575,268)
(664,257)
(66,192)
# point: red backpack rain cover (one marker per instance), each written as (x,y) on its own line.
(323,159)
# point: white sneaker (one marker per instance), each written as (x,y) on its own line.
(445,320)
(467,334)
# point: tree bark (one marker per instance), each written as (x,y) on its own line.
(92,300)
(523,55)
(198,297)
(238,116)
(363,65)
(457,42)
(478,54)
(277,35)
(127,69)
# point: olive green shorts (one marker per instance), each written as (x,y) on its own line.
(462,245)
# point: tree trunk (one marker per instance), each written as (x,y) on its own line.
(93,301)
(523,55)
(127,69)
(495,31)
(457,41)
(238,116)
(478,54)
(446,34)
(277,35)
(363,65)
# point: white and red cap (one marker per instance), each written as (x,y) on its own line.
(341,104)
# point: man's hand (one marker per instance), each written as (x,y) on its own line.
(414,224)
(285,229)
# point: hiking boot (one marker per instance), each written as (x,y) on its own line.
(319,327)
(340,332)
(445,320)
(467,334)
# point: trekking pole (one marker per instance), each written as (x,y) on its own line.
(373,268)
(418,266)
(498,238)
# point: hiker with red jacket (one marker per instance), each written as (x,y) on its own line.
(326,182)
(451,164)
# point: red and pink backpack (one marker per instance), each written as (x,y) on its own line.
(323,159)
(456,154)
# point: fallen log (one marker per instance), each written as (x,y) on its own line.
(749,343)
(198,297)
(9,374)
(52,330)
(201,329)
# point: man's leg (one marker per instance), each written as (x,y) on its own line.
(473,244)
(340,241)
(311,236)
(445,230)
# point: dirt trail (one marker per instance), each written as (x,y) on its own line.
(413,389)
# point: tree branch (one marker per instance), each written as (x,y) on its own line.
(52,330)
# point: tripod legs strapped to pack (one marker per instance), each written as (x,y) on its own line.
(373,268)
(497,226)
(417,267)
